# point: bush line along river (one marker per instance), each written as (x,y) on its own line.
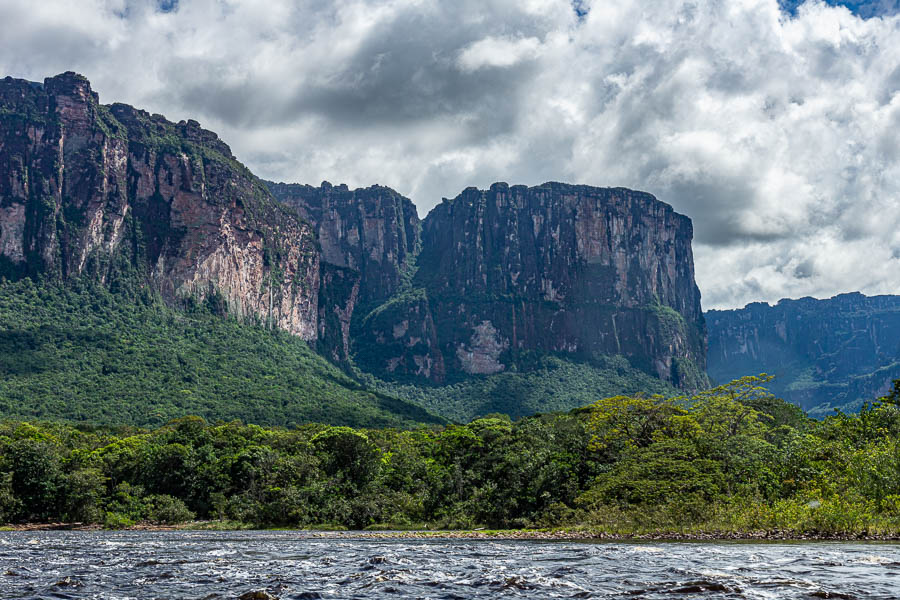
(733,461)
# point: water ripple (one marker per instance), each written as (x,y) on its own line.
(296,565)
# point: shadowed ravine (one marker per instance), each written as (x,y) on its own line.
(293,565)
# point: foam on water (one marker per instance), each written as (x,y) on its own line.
(296,565)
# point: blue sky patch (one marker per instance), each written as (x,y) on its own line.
(863,8)
(580,9)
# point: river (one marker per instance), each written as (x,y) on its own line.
(298,565)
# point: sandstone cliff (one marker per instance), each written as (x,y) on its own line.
(369,239)
(512,271)
(824,353)
(87,189)
(489,283)
(373,231)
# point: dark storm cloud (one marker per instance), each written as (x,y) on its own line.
(716,222)
(804,270)
(392,87)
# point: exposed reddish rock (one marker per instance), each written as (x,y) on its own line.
(374,231)
(87,189)
(509,271)
(566,269)
(486,282)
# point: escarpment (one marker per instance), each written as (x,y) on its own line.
(488,283)
(825,354)
(374,231)
(494,278)
(512,272)
(369,239)
(94,190)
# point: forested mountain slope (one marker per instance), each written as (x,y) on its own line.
(513,299)
(84,354)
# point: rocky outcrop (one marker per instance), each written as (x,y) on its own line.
(373,231)
(555,268)
(338,294)
(398,340)
(823,353)
(93,190)
(485,284)
(368,234)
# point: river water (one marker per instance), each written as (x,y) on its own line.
(295,565)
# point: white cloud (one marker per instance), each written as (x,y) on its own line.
(776,134)
(498,52)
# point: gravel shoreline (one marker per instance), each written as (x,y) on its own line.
(512,534)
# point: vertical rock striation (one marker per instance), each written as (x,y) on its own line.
(87,189)
(489,282)
(824,353)
(512,271)
(372,232)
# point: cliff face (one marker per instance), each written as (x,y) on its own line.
(555,268)
(489,282)
(824,353)
(87,189)
(369,239)
(373,231)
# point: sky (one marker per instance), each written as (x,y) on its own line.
(773,125)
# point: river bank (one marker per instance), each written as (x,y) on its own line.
(549,534)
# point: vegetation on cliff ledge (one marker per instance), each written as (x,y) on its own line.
(730,459)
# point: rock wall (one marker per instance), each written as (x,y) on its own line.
(823,353)
(338,295)
(398,340)
(374,231)
(551,269)
(87,189)
(485,283)
(369,235)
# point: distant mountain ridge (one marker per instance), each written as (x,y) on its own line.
(491,282)
(829,353)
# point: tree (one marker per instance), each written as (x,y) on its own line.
(623,422)
(347,456)
(37,479)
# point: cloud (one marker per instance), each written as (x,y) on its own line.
(498,52)
(773,126)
